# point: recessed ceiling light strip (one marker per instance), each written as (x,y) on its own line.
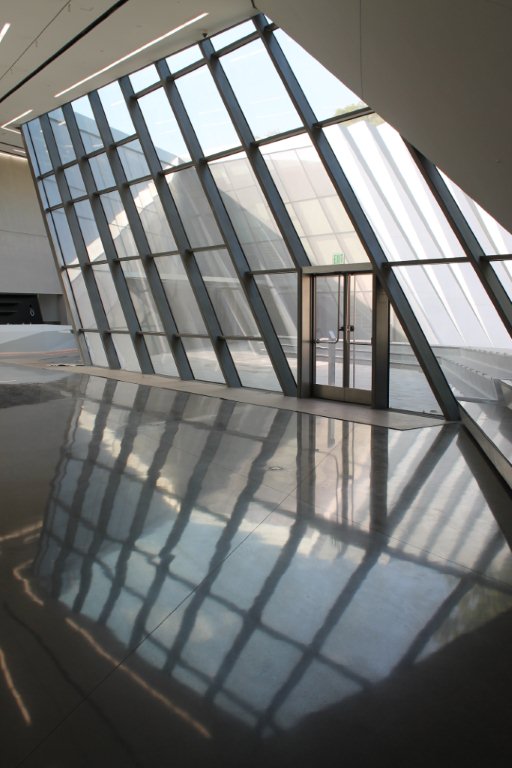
(14,119)
(4,30)
(130,55)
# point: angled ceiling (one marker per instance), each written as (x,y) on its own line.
(438,71)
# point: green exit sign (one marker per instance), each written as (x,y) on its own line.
(338,258)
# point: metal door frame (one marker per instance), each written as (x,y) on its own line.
(378,396)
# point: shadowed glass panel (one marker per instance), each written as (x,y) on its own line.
(206,110)
(102,171)
(133,160)
(267,107)
(253,364)
(118,224)
(161,355)
(316,211)
(226,294)
(81,297)
(75,181)
(87,124)
(37,148)
(109,297)
(395,197)
(194,208)
(50,191)
(279,294)
(202,359)
(142,297)
(116,111)
(62,238)
(504,271)
(126,353)
(153,218)
(180,295)
(163,129)
(62,137)
(462,326)
(327,96)
(250,214)
(96,349)
(89,230)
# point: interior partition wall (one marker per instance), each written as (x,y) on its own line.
(185,200)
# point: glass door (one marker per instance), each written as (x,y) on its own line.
(342,336)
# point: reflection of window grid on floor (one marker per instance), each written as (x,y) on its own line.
(251,621)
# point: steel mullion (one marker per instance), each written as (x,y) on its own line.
(428,361)
(112,260)
(141,241)
(466,237)
(185,249)
(79,244)
(234,249)
(258,164)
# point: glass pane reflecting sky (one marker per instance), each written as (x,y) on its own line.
(163,129)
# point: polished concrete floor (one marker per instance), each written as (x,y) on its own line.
(190,581)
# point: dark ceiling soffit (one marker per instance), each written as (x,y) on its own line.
(65,47)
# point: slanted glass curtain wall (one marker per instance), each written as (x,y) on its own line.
(184,199)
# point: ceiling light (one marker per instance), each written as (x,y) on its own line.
(130,55)
(4,31)
(15,130)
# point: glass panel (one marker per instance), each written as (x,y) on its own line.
(462,326)
(62,137)
(161,355)
(116,111)
(153,218)
(89,229)
(325,93)
(253,365)
(392,191)
(494,239)
(202,360)
(279,293)
(63,240)
(259,90)
(142,297)
(125,352)
(75,181)
(180,296)
(226,294)
(207,112)
(109,297)
(408,386)
(504,271)
(101,171)
(144,78)
(87,124)
(250,215)
(184,58)
(81,297)
(71,301)
(194,208)
(118,224)
(96,349)
(51,189)
(316,210)
(232,35)
(133,160)
(328,310)
(37,148)
(359,316)
(163,129)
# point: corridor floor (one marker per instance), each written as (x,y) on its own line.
(191,581)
